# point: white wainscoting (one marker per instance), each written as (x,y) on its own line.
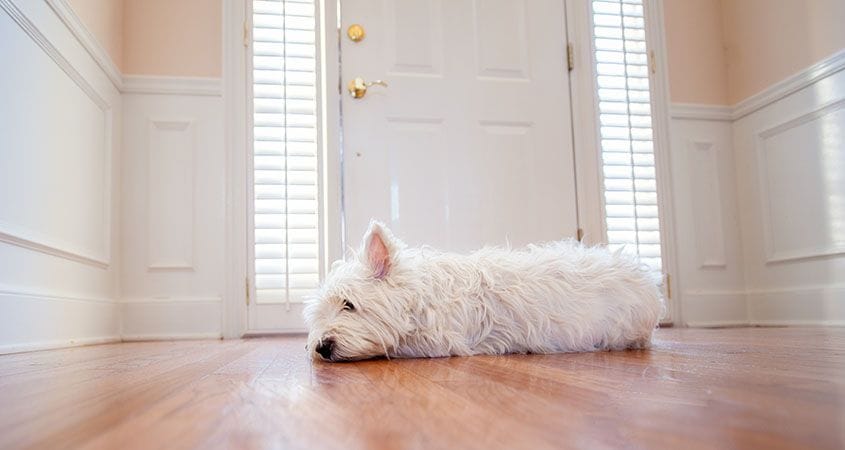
(778,198)
(791,177)
(711,282)
(173,211)
(60,132)
(57,149)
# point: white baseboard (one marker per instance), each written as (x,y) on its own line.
(39,321)
(795,307)
(808,305)
(798,323)
(172,318)
(170,337)
(718,324)
(714,308)
(51,345)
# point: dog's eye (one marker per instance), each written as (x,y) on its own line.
(347,305)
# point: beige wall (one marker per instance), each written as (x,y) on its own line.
(769,40)
(695,51)
(178,38)
(719,51)
(158,37)
(723,51)
(104,19)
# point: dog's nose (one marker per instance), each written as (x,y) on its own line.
(325,348)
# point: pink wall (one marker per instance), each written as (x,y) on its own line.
(719,51)
(723,51)
(104,19)
(695,52)
(769,40)
(158,37)
(178,38)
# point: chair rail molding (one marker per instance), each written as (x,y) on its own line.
(169,85)
(66,14)
(731,113)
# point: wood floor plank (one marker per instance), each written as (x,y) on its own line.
(696,389)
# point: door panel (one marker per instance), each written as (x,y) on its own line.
(470,144)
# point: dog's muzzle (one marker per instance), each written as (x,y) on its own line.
(325,348)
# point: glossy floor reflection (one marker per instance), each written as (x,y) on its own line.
(759,387)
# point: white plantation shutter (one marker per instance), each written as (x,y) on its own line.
(285,177)
(627,147)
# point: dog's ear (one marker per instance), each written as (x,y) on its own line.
(379,249)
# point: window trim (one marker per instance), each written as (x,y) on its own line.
(238,141)
(588,162)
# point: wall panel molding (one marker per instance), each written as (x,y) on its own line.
(21,235)
(773,254)
(706,195)
(23,238)
(171,187)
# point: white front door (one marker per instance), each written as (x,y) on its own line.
(470,143)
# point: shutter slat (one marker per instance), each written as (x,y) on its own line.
(624,97)
(285,177)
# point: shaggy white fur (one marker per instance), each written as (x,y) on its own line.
(392,301)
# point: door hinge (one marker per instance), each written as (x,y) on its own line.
(579,234)
(668,286)
(246,35)
(652,62)
(246,283)
(570,56)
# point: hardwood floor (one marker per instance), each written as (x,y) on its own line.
(730,388)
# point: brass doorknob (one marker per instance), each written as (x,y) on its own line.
(358,87)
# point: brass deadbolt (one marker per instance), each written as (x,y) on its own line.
(355,32)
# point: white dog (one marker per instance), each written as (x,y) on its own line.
(562,297)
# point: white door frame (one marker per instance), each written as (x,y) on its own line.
(585,136)
(235,113)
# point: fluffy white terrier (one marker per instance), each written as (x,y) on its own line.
(393,301)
